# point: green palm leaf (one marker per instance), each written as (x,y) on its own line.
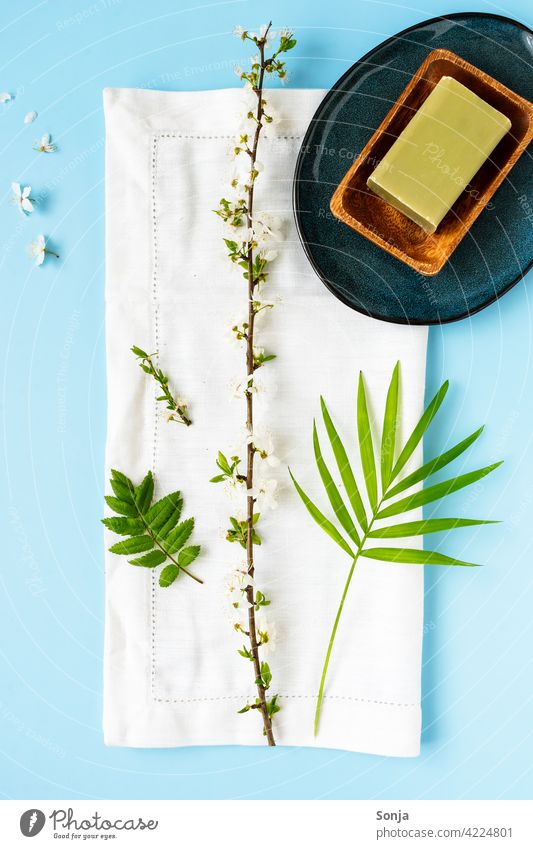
(434,465)
(420,428)
(333,493)
(390,423)
(413,555)
(345,469)
(435,492)
(321,520)
(389,471)
(366,446)
(424,526)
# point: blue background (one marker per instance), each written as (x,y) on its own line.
(56,57)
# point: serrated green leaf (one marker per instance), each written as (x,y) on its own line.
(133,545)
(321,520)
(122,486)
(333,493)
(187,555)
(366,446)
(177,538)
(419,430)
(346,473)
(144,493)
(168,575)
(413,555)
(160,512)
(122,525)
(390,424)
(425,526)
(122,507)
(435,492)
(119,476)
(434,465)
(154,558)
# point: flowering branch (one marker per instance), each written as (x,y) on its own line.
(248,247)
(177,407)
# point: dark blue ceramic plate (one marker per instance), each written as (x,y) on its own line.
(498,250)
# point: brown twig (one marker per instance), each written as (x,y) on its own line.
(254,646)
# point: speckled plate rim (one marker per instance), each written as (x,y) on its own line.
(454,16)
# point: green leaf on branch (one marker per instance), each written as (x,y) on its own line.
(266,675)
(272,706)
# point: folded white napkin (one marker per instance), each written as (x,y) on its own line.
(172,673)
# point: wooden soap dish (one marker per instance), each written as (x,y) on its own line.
(363,211)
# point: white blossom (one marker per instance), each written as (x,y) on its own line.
(266,632)
(237,330)
(235,490)
(5,97)
(263,443)
(22,199)
(238,70)
(268,254)
(267,228)
(266,494)
(30,117)
(271,35)
(44,145)
(38,250)
(239,32)
(236,583)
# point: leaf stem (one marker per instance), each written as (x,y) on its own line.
(338,616)
(330,644)
(160,546)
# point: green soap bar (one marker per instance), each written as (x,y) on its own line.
(437,154)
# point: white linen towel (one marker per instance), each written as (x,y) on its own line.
(172,673)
